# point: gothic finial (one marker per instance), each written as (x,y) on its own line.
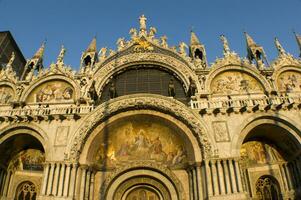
(12,58)
(298,38)
(60,58)
(194,39)
(40,52)
(92,46)
(225,44)
(250,41)
(279,47)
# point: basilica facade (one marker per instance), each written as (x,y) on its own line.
(150,121)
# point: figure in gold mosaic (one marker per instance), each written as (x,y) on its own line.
(289,81)
(256,152)
(30,159)
(140,139)
(6,94)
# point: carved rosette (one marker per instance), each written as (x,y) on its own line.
(155,102)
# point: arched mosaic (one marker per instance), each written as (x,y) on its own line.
(30,159)
(52,91)
(235,82)
(289,81)
(140,138)
(6,94)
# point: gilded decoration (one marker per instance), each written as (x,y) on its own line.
(258,153)
(30,159)
(6,94)
(140,138)
(235,82)
(289,81)
(54,91)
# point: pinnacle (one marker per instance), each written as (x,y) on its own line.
(40,51)
(92,46)
(194,39)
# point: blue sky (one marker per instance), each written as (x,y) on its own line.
(74,23)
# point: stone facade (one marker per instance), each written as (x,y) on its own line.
(185,130)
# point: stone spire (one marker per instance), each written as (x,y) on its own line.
(298,38)
(60,58)
(89,57)
(255,51)
(92,46)
(279,47)
(35,63)
(197,51)
(194,39)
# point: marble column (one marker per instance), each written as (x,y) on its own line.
(50,180)
(2,176)
(288,176)
(87,188)
(56,179)
(199,180)
(238,176)
(73,179)
(190,185)
(215,178)
(194,179)
(83,182)
(92,185)
(227,177)
(221,177)
(45,178)
(282,171)
(208,178)
(6,183)
(67,180)
(232,175)
(61,181)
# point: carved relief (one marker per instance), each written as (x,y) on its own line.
(140,138)
(256,153)
(6,94)
(54,91)
(30,159)
(289,81)
(235,82)
(62,133)
(220,131)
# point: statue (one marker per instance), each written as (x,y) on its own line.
(92,94)
(225,44)
(121,43)
(171,88)
(12,58)
(279,47)
(133,33)
(111,52)
(192,88)
(182,48)
(112,91)
(102,53)
(60,58)
(152,32)
(142,21)
(164,41)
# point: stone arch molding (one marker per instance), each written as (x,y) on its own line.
(181,69)
(258,119)
(24,128)
(249,70)
(136,102)
(136,169)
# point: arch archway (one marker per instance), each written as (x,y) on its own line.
(270,147)
(22,159)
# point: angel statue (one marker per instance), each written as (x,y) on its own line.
(279,47)
(225,44)
(152,32)
(182,48)
(164,41)
(60,58)
(142,21)
(133,33)
(102,53)
(121,43)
